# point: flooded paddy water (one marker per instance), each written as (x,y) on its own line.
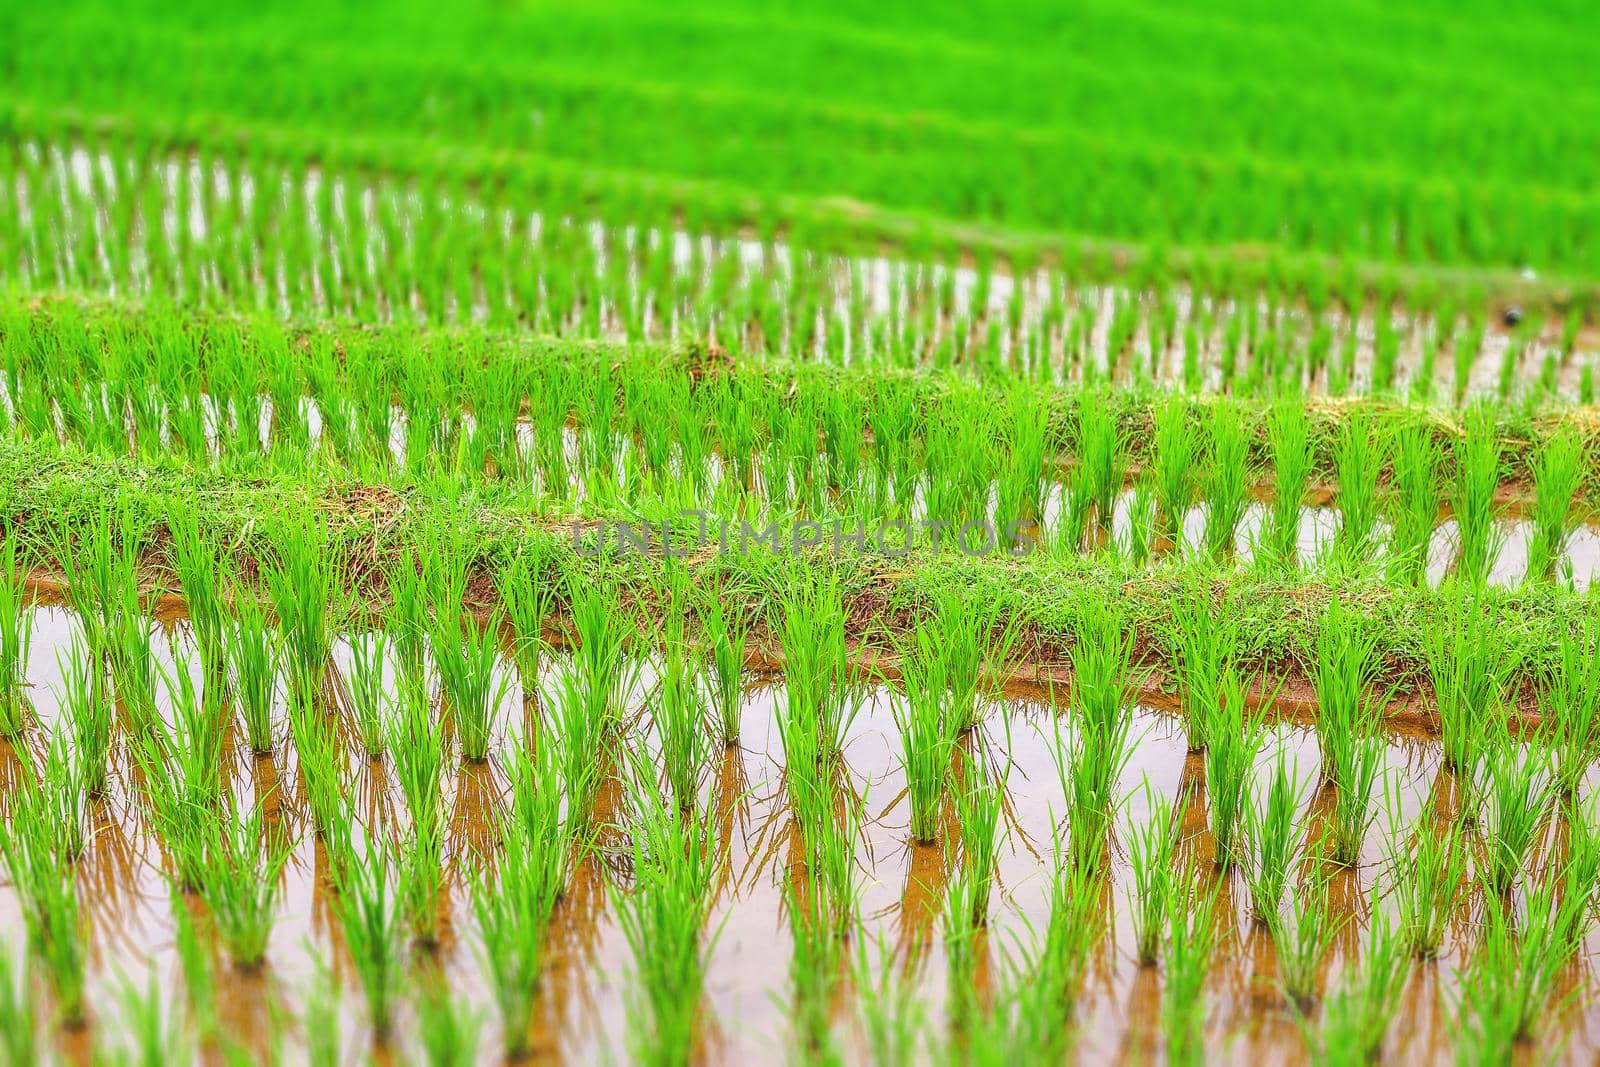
(582,1006)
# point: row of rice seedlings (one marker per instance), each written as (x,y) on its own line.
(804,299)
(850,411)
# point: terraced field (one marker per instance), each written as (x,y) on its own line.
(882,534)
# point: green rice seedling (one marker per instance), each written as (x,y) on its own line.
(1557,472)
(1191,940)
(514,906)
(239,881)
(974,634)
(447,1025)
(1570,701)
(814,964)
(978,801)
(726,633)
(583,719)
(605,674)
(369,697)
(1092,761)
(1204,637)
(322,767)
(1417,459)
(1343,666)
(408,616)
(1275,835)
(420,878)
(1358,460)
(680,714)
(365,904)
(1354,768)
(819,697)
(1152,851)
(927,742)
(1477,478)
(200,577)
(182,768)
(1177,447)
(892,1018)
(1236,736)
(16,633)
(18,1031)
(85,704)
(1516,805)
(132,662)
(1357,1012)
(1053,978)
(465,657)
(527,596)
(1098,472)
(663,919)
(304,586)
(1509,984)
(1229,472)
(254,651)
(1302,939)
(1289,439)
(1141,539)
(1427,873)
(416,742)
(1469,665)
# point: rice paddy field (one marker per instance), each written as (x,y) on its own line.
(869,534)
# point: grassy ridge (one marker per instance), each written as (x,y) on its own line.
(1274,620)
(678,404)
(1317,131)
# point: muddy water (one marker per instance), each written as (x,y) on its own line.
(581,1011)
